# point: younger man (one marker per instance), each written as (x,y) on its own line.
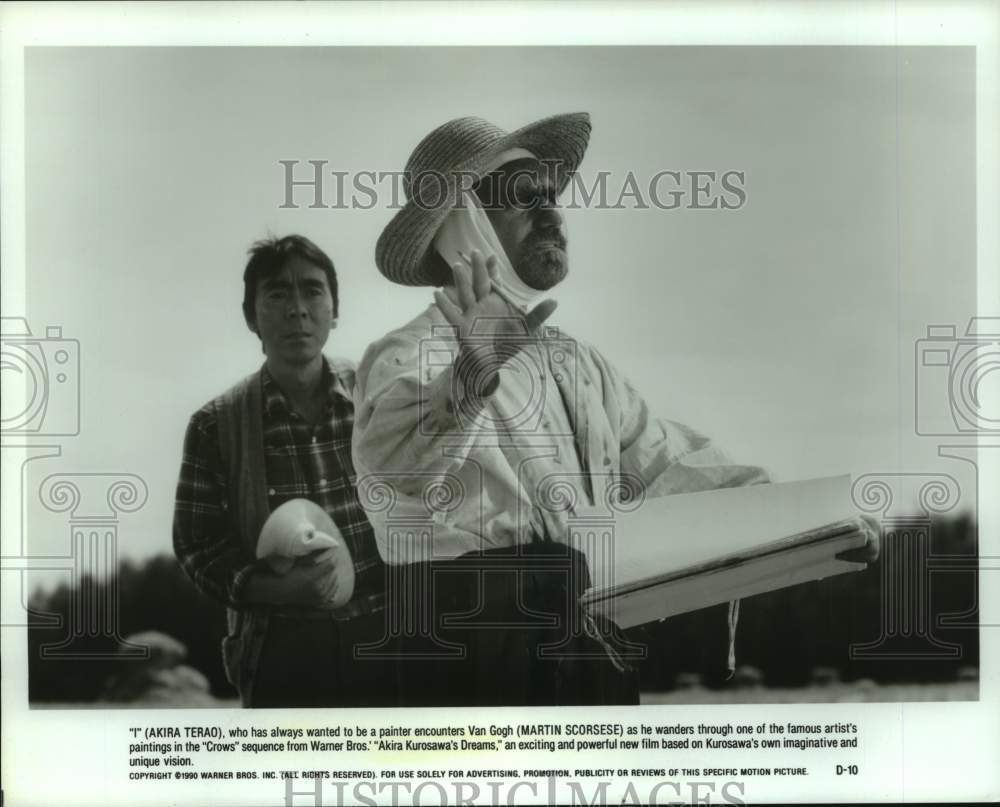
(282,433)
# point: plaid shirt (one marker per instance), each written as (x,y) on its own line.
(301,461)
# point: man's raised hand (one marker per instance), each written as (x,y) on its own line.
(490,330)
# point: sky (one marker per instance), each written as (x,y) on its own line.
(785,329)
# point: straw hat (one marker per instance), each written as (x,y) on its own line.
(431,180)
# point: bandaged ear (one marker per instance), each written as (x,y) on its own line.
(467,228)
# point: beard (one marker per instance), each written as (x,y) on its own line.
(541,259)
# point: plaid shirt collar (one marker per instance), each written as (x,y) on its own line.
(274,399)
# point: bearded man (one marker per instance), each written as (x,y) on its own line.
(497,427)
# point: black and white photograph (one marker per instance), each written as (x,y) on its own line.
(488,402)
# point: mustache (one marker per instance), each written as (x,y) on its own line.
(549,234)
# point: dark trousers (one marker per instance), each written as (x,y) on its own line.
(310,662)
(506,630)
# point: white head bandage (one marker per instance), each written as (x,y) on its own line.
(468,228)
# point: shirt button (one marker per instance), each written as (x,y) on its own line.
(322,481)
(271,492)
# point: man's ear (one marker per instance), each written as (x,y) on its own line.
(333,323)
(252,326)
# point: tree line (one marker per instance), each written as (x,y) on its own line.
(786,635)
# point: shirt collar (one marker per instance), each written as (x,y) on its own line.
(274,398)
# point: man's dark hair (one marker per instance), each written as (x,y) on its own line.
(268,257)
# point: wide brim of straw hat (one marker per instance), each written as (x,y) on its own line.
(404,249)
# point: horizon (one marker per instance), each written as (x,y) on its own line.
(786,329)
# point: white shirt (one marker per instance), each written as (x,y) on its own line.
(437,482)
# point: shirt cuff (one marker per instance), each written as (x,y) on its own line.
(237,588)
